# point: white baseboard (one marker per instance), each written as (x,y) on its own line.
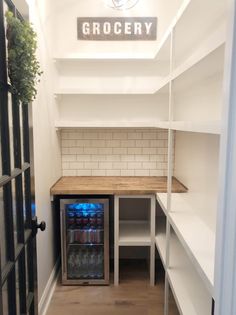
(49,289)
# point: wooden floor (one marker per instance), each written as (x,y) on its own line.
(134,296)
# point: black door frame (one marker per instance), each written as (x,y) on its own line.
(19,274)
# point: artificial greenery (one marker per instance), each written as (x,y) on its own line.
(23,66)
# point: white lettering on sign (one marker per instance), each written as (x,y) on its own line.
(127,28)
(117,28)
(137,28)
(106,28)
(86,28)
(96,28)
(148,27)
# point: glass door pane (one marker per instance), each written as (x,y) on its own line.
(85,240)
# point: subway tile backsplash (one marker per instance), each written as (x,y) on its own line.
(114,152)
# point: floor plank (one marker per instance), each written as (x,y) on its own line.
(134,296)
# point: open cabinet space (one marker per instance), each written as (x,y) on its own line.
(193,215)
(161,236)
(197,96)
(197,166)
(134,222)
(191,296)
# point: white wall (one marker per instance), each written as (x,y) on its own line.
(199,101)
(113,108)
(67,11)
(114,152)
(196,165)
(111,76)
(46,143)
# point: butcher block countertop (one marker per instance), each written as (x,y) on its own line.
(92,185)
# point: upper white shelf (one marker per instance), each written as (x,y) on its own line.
(106,56)
(189,291)
(196,237)
(205,62)
(134,233)
(99,91)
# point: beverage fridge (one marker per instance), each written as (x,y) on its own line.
(85,241)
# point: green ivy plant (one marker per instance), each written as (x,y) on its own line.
(23,67)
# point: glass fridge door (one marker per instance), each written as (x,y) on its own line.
(86,237)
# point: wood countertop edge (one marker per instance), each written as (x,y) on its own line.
(113,191)
(107,192)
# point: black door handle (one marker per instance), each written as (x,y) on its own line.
(41,226)
(38,226)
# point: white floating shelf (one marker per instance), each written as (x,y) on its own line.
(192,298)
(196,237)
(134,233)
(106,56)
(61,124)
(162,200)
(102,91)
(161,238)
(211,127)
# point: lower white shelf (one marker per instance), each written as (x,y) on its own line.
(134,233)
(161,238)
(191,295)
(60,124)
(196,237)
(63,124)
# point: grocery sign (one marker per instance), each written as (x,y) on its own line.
(117,28)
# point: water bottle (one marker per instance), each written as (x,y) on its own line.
(92,263)
(78,265)
(84,263)
(100,266)
(71,265)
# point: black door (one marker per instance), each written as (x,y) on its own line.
(18,224)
